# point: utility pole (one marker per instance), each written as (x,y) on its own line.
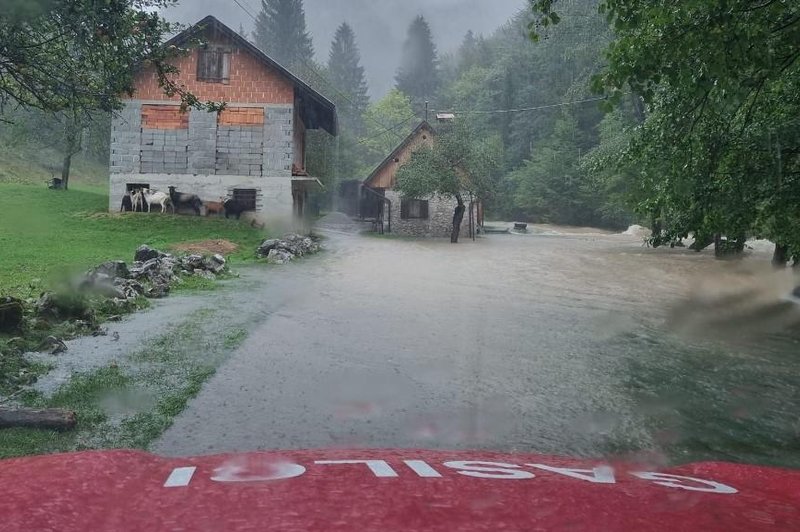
(426,110)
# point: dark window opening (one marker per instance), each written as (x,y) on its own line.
(246,197)
(130,187)
(213,65)
(413,209)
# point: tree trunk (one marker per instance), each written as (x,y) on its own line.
(53,419)
(780,256)
(458,217)
(65,167)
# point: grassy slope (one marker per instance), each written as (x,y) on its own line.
(31,164)
(45,233)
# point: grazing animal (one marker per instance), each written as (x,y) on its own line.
(234,208)
(181,199)
(214,208)
(127,203)
(137,200)
(159,198)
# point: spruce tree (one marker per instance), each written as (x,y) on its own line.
(347,75)
(418,76)
(281,33)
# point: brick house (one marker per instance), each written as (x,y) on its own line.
(253,151)
(431,217)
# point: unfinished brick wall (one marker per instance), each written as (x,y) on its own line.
(250,82)
(164,140)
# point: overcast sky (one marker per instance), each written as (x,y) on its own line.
(380,25)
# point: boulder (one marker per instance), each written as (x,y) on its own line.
(204,274)
(129,288)
(12,311)
(113,269)
(157,291)
(145,253)
(267,246)
(279,256)
(191,262)
(214,264)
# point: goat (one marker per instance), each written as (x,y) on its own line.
(137,200)
(214,207)
(180,199)
(159,198)
(127,203)
(234,208)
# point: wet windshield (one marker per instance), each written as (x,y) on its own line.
(558,227)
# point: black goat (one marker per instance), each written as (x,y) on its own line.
(127,204)
(234,208)
(181,199)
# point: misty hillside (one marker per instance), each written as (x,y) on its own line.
(380,25)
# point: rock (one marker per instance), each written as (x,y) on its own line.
(61,306)
(145,253)
(113,269)
(204,274)
(53,345)
(266,247)
(279,256)
(192,262)
(214,264)
(12,311)
(129,288)
(157,291)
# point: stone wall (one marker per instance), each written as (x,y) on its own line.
(438,224)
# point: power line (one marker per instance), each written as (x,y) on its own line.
(244,9)
(522,109)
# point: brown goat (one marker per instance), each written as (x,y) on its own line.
(214,208)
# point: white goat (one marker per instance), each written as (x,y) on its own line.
(137,200)
(159,198)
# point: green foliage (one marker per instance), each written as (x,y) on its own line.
(281,32)
(418,75)
(83,52)
(387,122)
(347,75)
(459,162)
(719,151)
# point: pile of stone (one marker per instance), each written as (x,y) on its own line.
(151,274)
(288,248)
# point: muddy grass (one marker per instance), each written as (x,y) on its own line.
(130,401)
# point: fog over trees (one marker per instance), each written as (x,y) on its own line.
(380,25)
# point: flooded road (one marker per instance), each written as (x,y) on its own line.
(549,342)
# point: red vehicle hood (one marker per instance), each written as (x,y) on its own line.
(387,490)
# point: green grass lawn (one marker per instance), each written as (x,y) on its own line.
(45,234)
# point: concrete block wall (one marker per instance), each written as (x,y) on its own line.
(202,154)
(240,150)
(278,140)
(126,133)
(438,224)
(274,198)
(164,151)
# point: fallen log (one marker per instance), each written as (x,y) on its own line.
(50,418)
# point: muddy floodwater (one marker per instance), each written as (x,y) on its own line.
(573,343)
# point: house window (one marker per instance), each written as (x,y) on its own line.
(246,197)
(413,209)
(213,65)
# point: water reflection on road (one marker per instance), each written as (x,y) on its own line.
(548,342)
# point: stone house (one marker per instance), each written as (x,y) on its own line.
(253,151)
(428,217)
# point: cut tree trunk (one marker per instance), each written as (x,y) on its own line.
(52,418)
